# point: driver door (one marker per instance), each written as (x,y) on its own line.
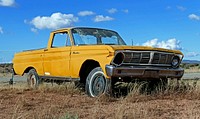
(57,58)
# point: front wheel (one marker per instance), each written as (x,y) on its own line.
(96,83)
(33,79)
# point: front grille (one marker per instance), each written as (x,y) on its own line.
(147,58)
(160,58)
(137,57)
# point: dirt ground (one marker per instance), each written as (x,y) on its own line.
(53,101)
(19,102)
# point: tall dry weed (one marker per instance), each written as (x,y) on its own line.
(173,89)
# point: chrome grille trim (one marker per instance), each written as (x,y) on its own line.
(147,58)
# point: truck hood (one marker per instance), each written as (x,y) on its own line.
(143,48)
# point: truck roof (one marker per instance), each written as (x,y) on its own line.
(62,29)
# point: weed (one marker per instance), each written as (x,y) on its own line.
(69,116)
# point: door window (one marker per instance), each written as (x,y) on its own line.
(61,40)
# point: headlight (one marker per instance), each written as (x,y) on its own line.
(180,57)
(175,61)
(119,58)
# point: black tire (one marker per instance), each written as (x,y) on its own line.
(96,83)
(33,79)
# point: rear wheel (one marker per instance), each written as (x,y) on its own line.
(33,79)
(96,83)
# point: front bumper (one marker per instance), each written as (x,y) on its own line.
(143,72)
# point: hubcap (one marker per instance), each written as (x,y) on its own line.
(98,86)
(32,80)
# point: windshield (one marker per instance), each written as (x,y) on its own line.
(93,36)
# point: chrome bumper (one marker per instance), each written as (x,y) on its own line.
(144,72)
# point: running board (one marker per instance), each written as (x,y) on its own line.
(54,78)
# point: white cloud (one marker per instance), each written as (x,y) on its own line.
(1,30)
(152,43)
(85,13)
(7,3)
(125,11)
(56,20)
(169,44)
(34,30)
(194,17)
(100,18)
(181,8)
(112,10)
(192,54)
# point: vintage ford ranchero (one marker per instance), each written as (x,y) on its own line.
(96,58)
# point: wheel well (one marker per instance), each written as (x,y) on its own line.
(28,69)
(87,66)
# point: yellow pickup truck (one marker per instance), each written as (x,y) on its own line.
(96,58)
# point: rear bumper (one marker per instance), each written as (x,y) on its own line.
(147,72)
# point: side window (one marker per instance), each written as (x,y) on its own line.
(61,40)
(110,40)
(77,39)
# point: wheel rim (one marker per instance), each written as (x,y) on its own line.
(98,85)
(33,80)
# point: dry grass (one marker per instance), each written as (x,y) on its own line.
(173,102)
(194,69)
(179,100)
(36,104)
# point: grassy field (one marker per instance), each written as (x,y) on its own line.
(180,99)
(191,68)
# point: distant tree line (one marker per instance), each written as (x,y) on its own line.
(189,65)
(6,68)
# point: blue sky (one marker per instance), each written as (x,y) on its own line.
(172,24)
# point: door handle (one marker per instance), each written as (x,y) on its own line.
(75,52)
